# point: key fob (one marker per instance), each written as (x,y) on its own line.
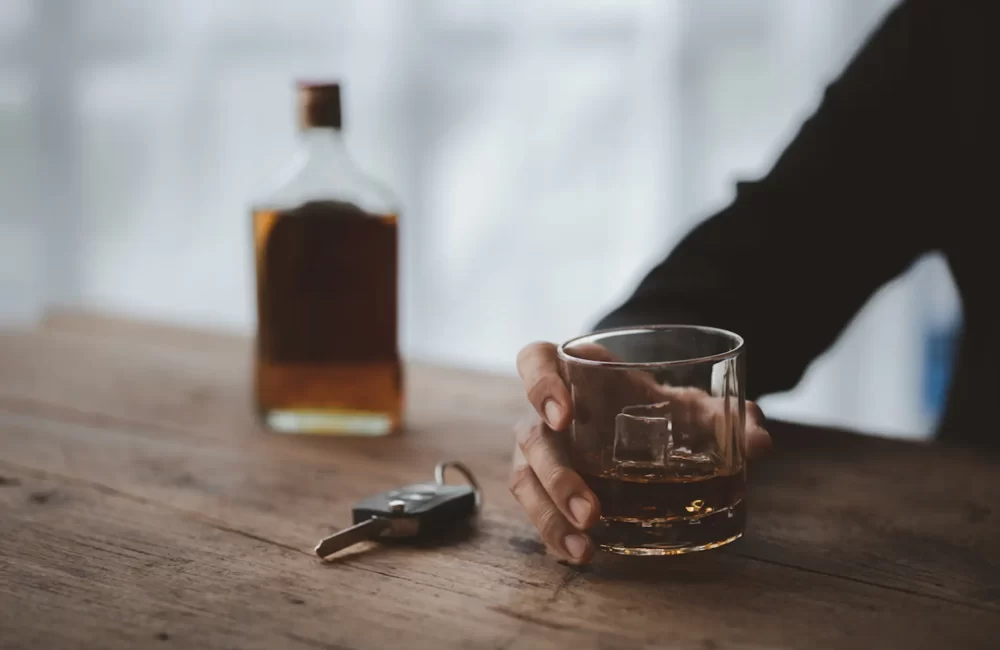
(421,509)
(412,511)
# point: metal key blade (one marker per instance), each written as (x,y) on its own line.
(356,534)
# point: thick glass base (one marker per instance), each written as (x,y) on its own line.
(666,550)
(328,422)
(674,536)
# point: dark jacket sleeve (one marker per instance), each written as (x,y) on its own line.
(795,256)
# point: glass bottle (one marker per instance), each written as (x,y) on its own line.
(326,250)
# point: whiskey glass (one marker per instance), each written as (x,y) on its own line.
(658,434)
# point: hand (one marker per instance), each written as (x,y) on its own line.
(556,498)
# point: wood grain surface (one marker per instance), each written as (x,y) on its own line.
(141,506)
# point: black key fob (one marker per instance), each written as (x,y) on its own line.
(414,511)
(423,509)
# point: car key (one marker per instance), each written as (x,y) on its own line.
(419,510)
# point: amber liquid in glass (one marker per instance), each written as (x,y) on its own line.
(667,510)
(327,358)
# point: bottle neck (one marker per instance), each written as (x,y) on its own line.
(324,144)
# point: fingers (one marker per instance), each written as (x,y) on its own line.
(558,534)
(591,351)
(758,439)
(565,488)
(638,384)
(538,366)
(695,411)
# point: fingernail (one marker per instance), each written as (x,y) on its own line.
(552,412)
(576,545)
(580,508)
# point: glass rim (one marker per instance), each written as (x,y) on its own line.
(596,336)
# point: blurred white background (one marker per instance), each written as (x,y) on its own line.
(520,136)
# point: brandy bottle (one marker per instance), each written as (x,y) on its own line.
(326,252)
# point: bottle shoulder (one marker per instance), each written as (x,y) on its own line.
(307,179)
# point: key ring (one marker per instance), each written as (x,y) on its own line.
(464,471)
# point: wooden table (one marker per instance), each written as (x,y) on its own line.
(140,506)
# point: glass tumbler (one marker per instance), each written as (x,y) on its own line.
(658,434)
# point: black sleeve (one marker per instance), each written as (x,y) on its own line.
(795,256)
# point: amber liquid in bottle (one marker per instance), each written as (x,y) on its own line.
(327,359)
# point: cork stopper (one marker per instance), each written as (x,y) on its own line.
(319,105)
